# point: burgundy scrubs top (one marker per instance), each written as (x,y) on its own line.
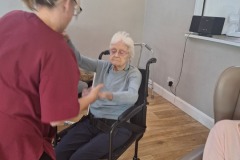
(38,85)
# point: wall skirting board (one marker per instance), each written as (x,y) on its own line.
(184,106)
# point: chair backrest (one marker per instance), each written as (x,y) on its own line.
(140,118)
(227,95)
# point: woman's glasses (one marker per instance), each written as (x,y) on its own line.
(120,52)
(77,9)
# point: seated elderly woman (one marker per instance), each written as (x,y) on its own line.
(223,142)
(121,82)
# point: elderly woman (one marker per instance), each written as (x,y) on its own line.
(87,141)
(38,78)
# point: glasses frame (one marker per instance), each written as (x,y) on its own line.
(77,9)
(121,53)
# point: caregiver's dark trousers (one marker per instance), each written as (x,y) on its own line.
(86,142)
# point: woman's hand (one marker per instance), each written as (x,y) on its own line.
(101,95)
(90,97)
(86,91)
(93,92)
(105,95)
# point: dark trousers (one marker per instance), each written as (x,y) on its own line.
(86,142)
(45,156)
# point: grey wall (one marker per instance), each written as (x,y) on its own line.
(93,29)
(91,32)
(162,24)
(166,22)
(203,64)
(10,5)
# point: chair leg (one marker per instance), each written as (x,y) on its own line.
(135,157)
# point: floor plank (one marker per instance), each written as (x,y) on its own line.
(170,133)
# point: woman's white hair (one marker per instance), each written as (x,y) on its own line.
(126,39)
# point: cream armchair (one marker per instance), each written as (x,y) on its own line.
(226,103)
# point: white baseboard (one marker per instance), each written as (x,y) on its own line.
(184,106)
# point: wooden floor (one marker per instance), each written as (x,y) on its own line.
(170,133)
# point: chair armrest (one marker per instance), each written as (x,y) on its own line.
(196,154)
(130,112)
(126,115)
